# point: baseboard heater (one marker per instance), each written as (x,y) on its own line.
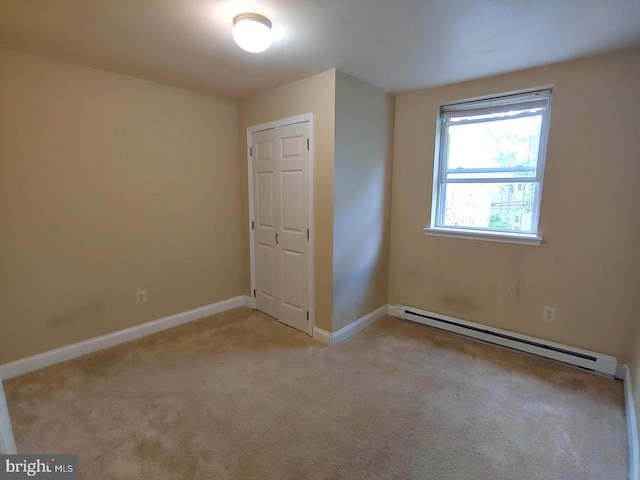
(555,351)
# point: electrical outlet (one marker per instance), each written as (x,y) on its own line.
(515,290)
(549,314)
(141,296)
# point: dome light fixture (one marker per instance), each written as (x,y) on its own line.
(252,32)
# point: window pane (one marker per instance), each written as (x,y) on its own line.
(494,142)
(490,206)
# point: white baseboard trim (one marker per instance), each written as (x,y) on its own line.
(250,302)
(632,427)
(351,329)
(359,325)
(322,336)
(41,360)
(7,442)
(395,311)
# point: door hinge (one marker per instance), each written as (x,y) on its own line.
(307,234)
(307,144)
(254,294)
(307,315)
(253,227)
(251,151)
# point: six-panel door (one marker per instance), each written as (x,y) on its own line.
(281,211)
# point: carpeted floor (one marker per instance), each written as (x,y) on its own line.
(240,396)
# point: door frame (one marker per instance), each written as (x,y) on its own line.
(307,117)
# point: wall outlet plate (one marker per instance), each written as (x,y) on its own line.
(141,296)
(549,314)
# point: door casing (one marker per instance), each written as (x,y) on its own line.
(307,117)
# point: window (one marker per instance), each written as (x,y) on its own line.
(489,167)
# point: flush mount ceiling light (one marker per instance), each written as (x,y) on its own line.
(252,32)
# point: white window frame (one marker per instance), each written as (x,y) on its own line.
(488,104)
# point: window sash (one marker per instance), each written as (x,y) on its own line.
(480,230)
(442,194)
(526,104)
(445,175)
(493,180)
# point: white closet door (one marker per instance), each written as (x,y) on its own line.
(266,222)
(281,209)
(293,205)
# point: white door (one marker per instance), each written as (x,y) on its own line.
(280,162)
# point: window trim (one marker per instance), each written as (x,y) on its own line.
(489,236)
(441,144)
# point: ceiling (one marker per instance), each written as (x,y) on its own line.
(396,45)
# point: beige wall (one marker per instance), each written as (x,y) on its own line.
(109,185)
(361,198)
(590,216)
(312,95)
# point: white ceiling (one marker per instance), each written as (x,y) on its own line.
(395,45)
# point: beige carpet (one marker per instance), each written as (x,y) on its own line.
(240,396)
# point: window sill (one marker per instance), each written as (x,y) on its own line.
(522,239)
